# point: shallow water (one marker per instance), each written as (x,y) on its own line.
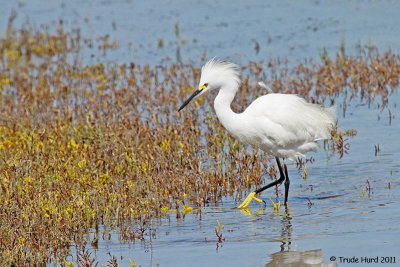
(293,29)
(340,222)
(333,219)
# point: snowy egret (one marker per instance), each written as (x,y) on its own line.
(283,125)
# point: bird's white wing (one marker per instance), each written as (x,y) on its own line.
(288,120)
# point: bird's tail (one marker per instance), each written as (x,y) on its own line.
(329,119)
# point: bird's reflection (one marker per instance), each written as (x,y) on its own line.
(248,212)
(286,231)
(310,258)
(286,257)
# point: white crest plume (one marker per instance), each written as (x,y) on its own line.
(219,72)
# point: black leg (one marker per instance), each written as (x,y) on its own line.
(282,174)
(287,184)
(281,179)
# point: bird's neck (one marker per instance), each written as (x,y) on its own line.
(222,106)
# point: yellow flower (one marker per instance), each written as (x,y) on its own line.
(82,164)
(28,180)
(73,143)
(21,241)
(165,144)
(180,144)
(164,210)
(155,118)
(144,166)
(5,82)
(187,209)
(129,183)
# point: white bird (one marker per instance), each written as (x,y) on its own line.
(283,125)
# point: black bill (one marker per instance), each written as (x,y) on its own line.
(190,99)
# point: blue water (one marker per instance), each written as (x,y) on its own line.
(333,219)
(226,29)
(345,225)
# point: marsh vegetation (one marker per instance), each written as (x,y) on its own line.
(101,145)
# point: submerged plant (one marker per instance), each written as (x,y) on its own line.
(218,232)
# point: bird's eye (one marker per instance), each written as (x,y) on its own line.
(206,84)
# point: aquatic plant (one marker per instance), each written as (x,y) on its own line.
(218,232)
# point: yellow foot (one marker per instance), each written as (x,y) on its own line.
(246,211)
(249,198)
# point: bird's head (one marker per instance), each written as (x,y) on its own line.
(215,74)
